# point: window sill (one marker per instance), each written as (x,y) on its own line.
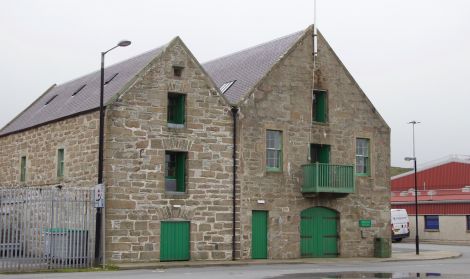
(175,195)
(431,230)
(320,123)
(273,171)
(362,175)
(175,126)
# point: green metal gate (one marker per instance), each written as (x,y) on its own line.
(259,234)
(174,241)
(318,233)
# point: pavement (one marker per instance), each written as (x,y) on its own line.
(396,256)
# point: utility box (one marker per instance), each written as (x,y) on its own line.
(382,248)
(63,245)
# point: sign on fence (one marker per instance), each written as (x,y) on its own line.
(99,196)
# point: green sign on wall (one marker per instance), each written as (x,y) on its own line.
(365,223)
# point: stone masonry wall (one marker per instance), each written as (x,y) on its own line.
(78,136)
(282,101)
(137,137)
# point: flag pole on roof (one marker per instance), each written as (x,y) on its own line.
(314,54)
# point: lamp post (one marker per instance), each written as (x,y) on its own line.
(416,185)
(123,43)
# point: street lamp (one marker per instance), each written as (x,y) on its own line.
(122,43)
(416,185)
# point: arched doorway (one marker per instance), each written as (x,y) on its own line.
(319,233)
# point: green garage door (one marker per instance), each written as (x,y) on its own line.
(259,235)
(318,233)
(174,241)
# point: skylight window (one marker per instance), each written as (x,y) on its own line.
(78,90)
(50,100)
(226,86)
(110,79)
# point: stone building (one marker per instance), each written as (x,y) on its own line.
(310,177)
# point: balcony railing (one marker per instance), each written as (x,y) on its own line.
(326,178)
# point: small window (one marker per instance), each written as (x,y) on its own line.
(60,162)
(273,150)
(226,86)
(23,169)
(362,157)
(78,90)
(431,222)
(175,169)
(176,108)
(50,100)
(319,106)
(468,222)
(110,79)
(177,71)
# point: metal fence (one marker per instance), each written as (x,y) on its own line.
(46,228)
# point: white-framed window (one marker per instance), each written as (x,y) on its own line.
(273,150)
(362,157)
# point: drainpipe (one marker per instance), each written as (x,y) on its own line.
(234,115)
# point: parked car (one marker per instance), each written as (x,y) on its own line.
(400,224)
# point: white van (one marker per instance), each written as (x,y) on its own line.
(400,224)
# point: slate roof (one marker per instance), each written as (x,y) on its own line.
(249,66)
(49,108)
(246,68)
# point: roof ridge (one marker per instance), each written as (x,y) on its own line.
(253,47)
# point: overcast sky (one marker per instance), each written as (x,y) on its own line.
(411,57)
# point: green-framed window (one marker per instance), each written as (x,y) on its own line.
(176,110)
(23,169)
(273,150)
(175,171)
(362,157)
(60,162)
(319,106)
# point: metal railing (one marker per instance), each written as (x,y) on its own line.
(46,228)
(327,178)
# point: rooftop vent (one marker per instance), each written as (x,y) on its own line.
(432,192)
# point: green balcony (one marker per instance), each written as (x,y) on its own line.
(327,178)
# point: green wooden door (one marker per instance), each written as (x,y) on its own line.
(320,106)
(318,233)
(320,153)
(174,241)
(259,234)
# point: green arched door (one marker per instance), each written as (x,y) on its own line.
(318,233)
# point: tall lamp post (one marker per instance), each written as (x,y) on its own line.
(99,211)
(416,185)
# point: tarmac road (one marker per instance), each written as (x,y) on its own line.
(446,267)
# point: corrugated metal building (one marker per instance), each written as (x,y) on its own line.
(443,198)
